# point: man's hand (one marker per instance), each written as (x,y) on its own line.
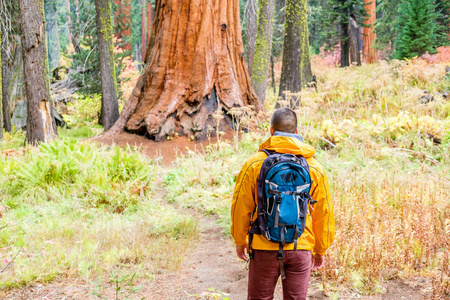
(317,262)
(241,251)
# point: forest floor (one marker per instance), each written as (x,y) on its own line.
(210,269)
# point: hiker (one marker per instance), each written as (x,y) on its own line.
(304,199)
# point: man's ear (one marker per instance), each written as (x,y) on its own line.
(296,131)
(272,131)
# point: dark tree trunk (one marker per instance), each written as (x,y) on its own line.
(355,55)
(195,68)
(263,50)
(252,23)
(5,95)
(296,68)
(345,44)
(110,107)
(52,34)
(1,84)
(41,125)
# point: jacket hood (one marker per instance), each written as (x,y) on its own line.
(282,144)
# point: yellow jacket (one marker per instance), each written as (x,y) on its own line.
(319,227)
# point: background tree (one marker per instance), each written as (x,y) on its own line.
(416,28)
(193,70)
(443,23)
(341,12)
(110,107)
(51,20)
(41,125)
(296,68)
(263,49)
(251,13)
(369,36)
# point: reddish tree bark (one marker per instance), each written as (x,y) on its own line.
(195,67)
(149,29)
(369,36)
(122,15)
(144,28)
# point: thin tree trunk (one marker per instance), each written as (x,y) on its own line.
(263,49)
(355,55)
(1,84)
(369,36)
(110,107)
(195,68)
(52,34)
(345,45)
(272,68)
(252,24)
(41,126)
(5,95)
(69,22)
(296,68)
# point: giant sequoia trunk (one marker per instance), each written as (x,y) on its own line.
(369,53)
(296,68)
(41,125)
(195,67)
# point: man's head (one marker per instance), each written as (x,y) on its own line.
(285,120)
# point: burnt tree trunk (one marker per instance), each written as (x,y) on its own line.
(195,67)
(263,50)
(296,67)
(110,107)
(41,125)
(345,45)
(369,53)
(355,55)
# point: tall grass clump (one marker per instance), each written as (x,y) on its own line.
(74,209)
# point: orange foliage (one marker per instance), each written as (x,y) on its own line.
(442,56)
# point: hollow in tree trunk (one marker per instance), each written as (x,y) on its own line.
(296,66)
(263,50)
(195,67)
(41,125)
(110,107)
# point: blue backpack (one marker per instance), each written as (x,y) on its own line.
(283,196)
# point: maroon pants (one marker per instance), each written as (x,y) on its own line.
(265,270)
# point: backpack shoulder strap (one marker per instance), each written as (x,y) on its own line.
(268,152)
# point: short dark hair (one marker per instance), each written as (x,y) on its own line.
(285,120)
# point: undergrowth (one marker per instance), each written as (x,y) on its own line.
(79,209)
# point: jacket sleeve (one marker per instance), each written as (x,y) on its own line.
(243,203)
(322,212)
